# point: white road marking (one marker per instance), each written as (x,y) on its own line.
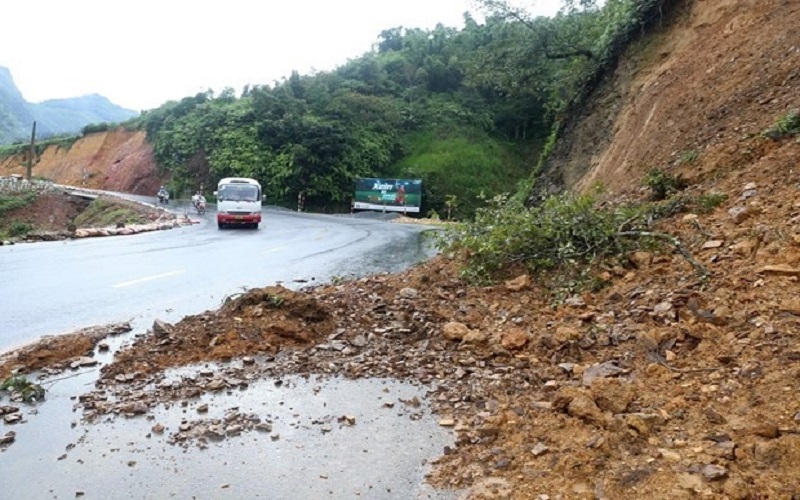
(273,250)
(148,278)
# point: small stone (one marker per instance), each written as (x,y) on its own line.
(539,450)
(447,422)
(713,244)
(408,293)
(766,430)
(714,472)
(522,282)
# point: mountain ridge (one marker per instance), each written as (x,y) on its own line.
(53,116)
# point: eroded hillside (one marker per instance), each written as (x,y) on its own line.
(713,75)
(116,160)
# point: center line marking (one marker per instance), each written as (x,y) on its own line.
(273,250)
(146,279)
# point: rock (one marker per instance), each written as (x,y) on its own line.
(584,408)
(8,438)
(162,328)
(641,260)
(712,244)
(408,293)
(514,338)
(158,429)
(766,430)
(691,482)
(84,361)
(522,282)
(539,450)
(741,214)
(447,422)
(359,341)
(454,330)
(575,301)
(607,369)
(643,423)
(203,408)
(475,337)
(714,472)
(613,395)
(12,418)
(215,385)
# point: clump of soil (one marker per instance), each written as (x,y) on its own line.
(55,353)
(261,321)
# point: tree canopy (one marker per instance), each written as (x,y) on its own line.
(466,110)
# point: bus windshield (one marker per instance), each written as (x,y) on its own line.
(238,192)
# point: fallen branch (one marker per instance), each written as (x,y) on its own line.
(699,268)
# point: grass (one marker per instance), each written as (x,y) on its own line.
(101,213)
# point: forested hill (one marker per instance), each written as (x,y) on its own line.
(472,112)
(468,111)
(53,117)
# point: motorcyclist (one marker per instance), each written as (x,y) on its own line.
(163,195)
(198,198)
(199,201)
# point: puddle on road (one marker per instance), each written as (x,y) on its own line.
(382,456)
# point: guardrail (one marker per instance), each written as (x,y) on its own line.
(16,185)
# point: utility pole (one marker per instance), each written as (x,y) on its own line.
(32,153)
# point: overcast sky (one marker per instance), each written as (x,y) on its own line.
(143,53)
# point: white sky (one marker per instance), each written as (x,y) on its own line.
(140,54)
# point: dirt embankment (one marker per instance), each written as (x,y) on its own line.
(715,74)
(116,160)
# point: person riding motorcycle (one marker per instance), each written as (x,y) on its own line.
(163,195)
(199,202)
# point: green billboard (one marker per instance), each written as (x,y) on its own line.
(388,195)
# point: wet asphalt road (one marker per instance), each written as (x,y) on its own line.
(57,287)
(54,287)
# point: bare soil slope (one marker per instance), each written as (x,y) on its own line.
(716,73)
(116,160)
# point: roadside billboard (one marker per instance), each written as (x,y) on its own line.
(388,195)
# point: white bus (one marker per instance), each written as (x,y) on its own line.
(238,202)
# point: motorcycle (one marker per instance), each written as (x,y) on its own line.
(200,206)
(163,197)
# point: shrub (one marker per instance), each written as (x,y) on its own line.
(19,228)
(710,201)
(662,184)
(787,125)
(565,232)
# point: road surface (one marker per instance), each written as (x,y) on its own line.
(57,287)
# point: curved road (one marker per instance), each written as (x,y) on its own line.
(57,287)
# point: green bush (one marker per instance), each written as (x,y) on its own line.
(787,125)
(566,232)
(12,202)
(662,184)
(19,228)
(710,201)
